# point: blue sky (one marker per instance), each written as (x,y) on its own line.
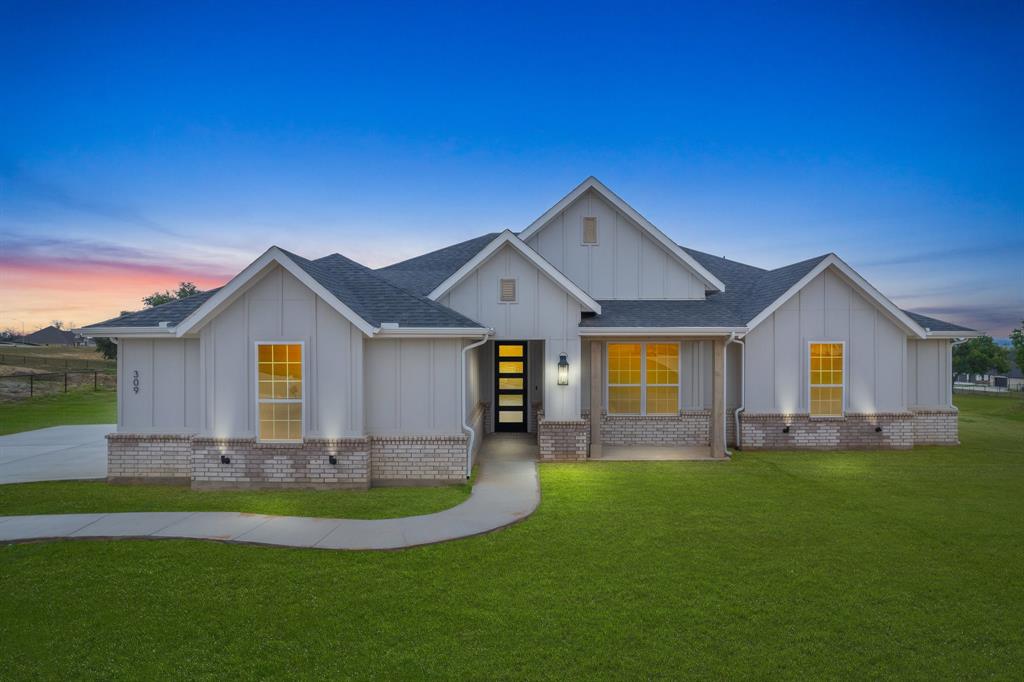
(144,143)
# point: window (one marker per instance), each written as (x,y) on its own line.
(507,290)
(826,379)
(590,230)
(279,391)
(643,378)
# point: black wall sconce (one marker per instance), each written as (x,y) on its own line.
(563,370)
(224,459)
(332,459)
(785,429)
(878,429)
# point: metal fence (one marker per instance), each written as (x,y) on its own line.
(985,388)
(66,364)
(15,386)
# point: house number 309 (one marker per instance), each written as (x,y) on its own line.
(135,381)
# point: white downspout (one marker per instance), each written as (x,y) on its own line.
(743,391)
(725,392)
(465,408)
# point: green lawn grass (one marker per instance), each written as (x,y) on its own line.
(74,407)
(80,497)
(773,565)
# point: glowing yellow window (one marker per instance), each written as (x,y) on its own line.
(279,394)
(826,372)
(662,364)
(624,376)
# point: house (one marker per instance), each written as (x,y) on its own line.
(589,328)
(1011,380)
(52,336)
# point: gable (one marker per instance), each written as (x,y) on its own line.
(592,187)
(543,307)
(625,263)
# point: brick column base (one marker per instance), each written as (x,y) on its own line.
(562,441)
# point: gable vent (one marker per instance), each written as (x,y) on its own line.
(507,291)
(590,230)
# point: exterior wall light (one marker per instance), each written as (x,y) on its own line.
(563,370)
(786,429)
(224,459)
(332,459)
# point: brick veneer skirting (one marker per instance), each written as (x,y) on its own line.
(418,459)
(890,431)
(359,462)
(565,441)
(691,427)
(280,465)
(936,426)
(154,458)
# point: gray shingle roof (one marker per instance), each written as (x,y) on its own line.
(369,295)
(936,325)
(748,291)
(376,299)
(173,313)
(422,274)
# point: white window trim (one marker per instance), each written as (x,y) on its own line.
(515,284)
(807,367)
(643,385)
(256,389)
(583,231)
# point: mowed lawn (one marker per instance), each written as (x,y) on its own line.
(74,407)
(773,565)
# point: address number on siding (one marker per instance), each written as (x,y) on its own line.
(135,381)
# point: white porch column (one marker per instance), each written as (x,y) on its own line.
(718,399)
(596,382)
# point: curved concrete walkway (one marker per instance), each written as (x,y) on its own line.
(506,491)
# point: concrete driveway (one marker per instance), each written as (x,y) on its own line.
(55,454)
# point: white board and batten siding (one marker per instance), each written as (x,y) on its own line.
(166,374)
(827,309)
(930,373)
(413,387)
(207,385)
(626,262)
(543,311)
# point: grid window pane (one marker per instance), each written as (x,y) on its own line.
(624,400)
(279,391)
(624,363)
(662,363)
(663,400)
(826,373)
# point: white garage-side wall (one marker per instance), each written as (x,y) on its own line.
(279,308)
(166,373)
(626,263)
(827,309)
(412,387)
(929,374)
(543,311)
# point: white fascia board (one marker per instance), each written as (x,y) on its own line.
(614,199)
(660,331)
(507,237)
(138,332)
(239,283)
(834,261)
(434,332)
(972,334)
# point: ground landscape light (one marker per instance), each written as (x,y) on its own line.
(563,370)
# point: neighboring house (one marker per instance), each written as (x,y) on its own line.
(1012,380)
(589,328)
(51,336)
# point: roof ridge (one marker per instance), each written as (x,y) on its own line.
(379,278)
(490,235)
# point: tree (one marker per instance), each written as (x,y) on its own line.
(59,324)
(185,289)
(107,348)
(1017,339)
(979,356)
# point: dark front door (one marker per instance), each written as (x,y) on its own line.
(510,385)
